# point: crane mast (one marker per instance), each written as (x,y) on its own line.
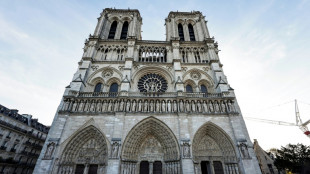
(302,126)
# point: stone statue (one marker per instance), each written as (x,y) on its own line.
(115,106)
(104,106)
(115,150)
(230,106)
(128,105)
(223,106)
(74,106)
(140,106)
(157,106)
(49,150)
(110,106)
(133,107)
(145,109)
(217,108)
(121,106)
(92,106)
(193,106)
(169,106)
(86,108)
(175,106)
(199,106)
(151,106)
(211,107)
(186,150)
(163,107)
(181,106)
(81,106)
(99,106)
(244,150)
(187,106)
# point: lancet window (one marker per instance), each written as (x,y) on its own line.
(124,30)
(112,30)
(98,87)
(113,87)
(203,89)
(189,88)
(191,32)
(181,33)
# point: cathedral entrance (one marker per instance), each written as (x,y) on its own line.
(85,153)
(213,152)
(154,148)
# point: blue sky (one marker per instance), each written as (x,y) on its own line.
(264,51)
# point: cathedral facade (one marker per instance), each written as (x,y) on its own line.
(148,107)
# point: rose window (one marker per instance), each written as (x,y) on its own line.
(152,83)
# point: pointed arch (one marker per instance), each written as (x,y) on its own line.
(112,30)
(181,32)
(191,32)
(150,127)
(86,145)
(124,30)
(212,141)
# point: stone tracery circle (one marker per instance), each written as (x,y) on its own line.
(195,75)
(152,83)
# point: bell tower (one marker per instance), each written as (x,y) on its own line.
(118,24)
(186,26)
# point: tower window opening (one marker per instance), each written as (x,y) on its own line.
(124,30)
(181,33)
(112,30)
(191,32)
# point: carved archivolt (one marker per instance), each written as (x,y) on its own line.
(147,137)
(211,141)
(87,147)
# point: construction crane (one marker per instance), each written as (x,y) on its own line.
(302,126)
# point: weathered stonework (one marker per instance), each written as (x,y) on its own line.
(137,106)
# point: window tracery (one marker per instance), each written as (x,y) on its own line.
(152,83)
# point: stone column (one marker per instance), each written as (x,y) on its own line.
(151,167)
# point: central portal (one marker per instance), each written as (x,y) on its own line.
(151,148)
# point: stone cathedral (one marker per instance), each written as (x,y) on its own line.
(148,107)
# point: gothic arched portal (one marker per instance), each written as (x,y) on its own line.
(213,151)
(86,152)
(151,141)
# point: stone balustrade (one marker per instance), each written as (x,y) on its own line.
(135,102)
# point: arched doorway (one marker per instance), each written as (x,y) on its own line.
(151,147)
(213,151)
(85,153)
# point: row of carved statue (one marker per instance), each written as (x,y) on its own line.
(200,106)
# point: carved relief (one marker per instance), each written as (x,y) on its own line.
(115,148)
(244,150)
(107,73)
(186,149)
(49,150)
(195,75)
